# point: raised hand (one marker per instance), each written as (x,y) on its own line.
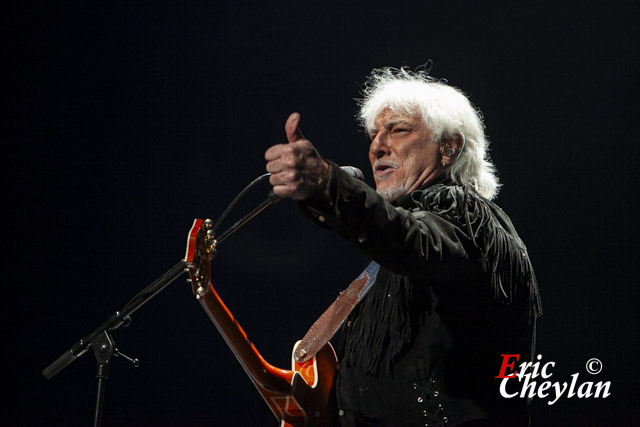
(297,170)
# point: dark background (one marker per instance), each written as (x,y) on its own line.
(125,120)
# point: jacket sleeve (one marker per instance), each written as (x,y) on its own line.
(416,242)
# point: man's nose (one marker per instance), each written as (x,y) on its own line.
(380,145)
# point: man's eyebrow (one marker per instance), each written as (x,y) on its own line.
(392,123)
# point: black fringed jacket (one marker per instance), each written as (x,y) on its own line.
(455,291)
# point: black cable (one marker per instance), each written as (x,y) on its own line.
(237,199)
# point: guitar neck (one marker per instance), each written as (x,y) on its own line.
(299,397)
(263,374)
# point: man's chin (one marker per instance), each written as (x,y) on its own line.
(391,193)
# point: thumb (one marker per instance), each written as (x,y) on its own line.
(292,128)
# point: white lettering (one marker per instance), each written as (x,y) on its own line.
(600,386)
(543,387)
(559,392)
(523,370)
(585,393)
(503,389)
(544,369)
(574,379)
(531,387)
(526,387)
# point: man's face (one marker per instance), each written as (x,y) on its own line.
(403,154)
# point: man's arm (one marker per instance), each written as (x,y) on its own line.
(417,244)
(408,243)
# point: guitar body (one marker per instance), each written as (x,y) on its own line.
(302,396)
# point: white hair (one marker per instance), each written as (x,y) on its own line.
(444,109)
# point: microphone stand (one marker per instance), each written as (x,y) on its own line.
(101,339)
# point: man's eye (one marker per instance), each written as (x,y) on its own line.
(400,130)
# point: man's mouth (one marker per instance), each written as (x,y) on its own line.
(382,169)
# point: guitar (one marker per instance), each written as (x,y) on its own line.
(302,396)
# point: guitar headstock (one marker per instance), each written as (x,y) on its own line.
(201,248)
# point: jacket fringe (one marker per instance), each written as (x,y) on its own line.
(390,316)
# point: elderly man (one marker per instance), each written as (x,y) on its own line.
(455,289)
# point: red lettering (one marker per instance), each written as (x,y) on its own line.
(506,364)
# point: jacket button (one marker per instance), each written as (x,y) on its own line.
(362,238)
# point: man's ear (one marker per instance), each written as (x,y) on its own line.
(451,148)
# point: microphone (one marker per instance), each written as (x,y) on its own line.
(353,171)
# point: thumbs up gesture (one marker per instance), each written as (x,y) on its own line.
(297,170)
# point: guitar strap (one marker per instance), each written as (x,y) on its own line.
(328,323)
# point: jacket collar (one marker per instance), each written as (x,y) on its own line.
(406,201)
